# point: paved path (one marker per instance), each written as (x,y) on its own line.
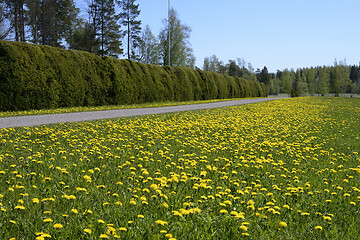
(28,121)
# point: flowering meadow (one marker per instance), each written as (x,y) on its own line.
(284,169)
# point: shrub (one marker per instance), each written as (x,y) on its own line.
(38,77)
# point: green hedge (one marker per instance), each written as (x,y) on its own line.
(38,77)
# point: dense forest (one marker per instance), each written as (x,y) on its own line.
(112,28)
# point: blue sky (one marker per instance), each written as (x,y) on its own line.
(274,33)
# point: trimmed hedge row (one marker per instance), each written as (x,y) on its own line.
(39,77)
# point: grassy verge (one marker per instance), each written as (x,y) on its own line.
(105,108)
(287,169)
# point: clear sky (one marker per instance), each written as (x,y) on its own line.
(278,34)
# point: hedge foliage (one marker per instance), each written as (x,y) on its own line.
(39,77)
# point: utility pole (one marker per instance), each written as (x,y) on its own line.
(169,27)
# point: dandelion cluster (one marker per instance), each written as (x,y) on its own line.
(288,168)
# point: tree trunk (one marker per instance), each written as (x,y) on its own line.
(21,21)
(102,28)
(16,20)
(94,15)
(42,19)
(36,24)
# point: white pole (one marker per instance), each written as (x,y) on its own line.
(169,27)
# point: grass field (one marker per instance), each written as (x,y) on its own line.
(285,169)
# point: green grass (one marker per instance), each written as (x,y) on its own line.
(285,169)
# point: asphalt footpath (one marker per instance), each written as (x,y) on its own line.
(36,120)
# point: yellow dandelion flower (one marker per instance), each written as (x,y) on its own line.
(319,228)
(224,211)
(176,213)
(234,213)
(74,211)
(58,225)
(86,177)
(87,230)
(45,235)
(186,204)
(161,222)
(286,206)
(47,220)
(103,236)
(123,229)
(243,228)
(251,202)
(72,197)
(88,211)
(184,212)
(283,224)
(239,216)
(197,210)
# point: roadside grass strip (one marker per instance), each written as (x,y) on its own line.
(109,107)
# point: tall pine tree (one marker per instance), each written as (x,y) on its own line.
(128,17)
(51,21)
(15,11)
(103,29)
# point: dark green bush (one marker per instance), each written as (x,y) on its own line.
(38,77)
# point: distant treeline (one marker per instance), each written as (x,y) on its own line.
(39,76)
(336,79)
